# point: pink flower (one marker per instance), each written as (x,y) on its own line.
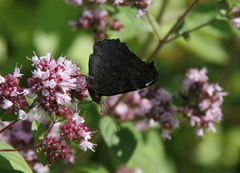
(131,107)
(236,22)
(96,18)
(118,2)
(160,110)
(236,10)
(6,104)
(193,76)
(76,3)
(12,96)
(55,150)
(202,101)
(39,168)
(53,82)
(75,130)
(123,169)
(22,115)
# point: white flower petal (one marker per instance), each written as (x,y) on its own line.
(22,114)
(2,79)
(7,104)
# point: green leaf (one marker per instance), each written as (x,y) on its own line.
(12,160)
(9,117)
(150,155)
(186,36)
(141,23)
(122,143)
(221,17)
(42,157)
(212,51)
(38,130)
(91,168)
(132,25)
(222,6)
(179,28)
(108,131)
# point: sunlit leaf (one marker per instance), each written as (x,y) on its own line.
(42,157)
(150,156)
(92,168)
(122,143)
(38,130)
(12,160)
(9,116)
(222,6)
(142,22)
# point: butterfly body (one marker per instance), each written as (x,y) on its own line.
(115,69)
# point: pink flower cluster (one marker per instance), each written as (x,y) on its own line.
(20,136)
(141,5)
(161,110)
(123,169)
(55,84)
(236,20)
(55,87)
(131,107)
(148,107)
(202,100)
(98,19)
(56,146)
(75,130)
(12,96)
(56,150)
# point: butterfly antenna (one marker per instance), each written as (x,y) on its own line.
(114,121)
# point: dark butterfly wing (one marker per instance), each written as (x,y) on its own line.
(114,69)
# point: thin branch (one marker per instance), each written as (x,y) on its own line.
(162,10)
(9,125)
(27,148)
(193,29)
(180,19)
(174,27)
(154,29)
(21,149)
(49,129)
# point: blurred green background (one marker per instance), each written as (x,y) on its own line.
(41,26)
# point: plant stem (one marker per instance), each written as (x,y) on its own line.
(20,149)
(162,10)
(9,125)
(174,27)
(191,30)
(154,29)
(49,129)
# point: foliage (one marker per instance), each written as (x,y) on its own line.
(177,35)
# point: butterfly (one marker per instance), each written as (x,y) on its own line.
(115,69)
